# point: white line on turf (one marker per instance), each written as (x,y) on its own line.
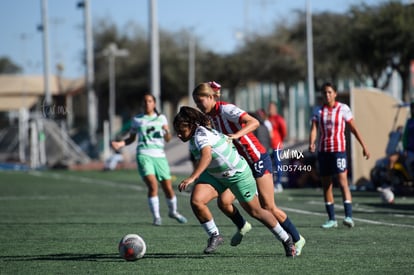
(299,211)
(115,184)
(86,180)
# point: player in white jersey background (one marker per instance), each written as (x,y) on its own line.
(219,165)
(328,125)
(152,130)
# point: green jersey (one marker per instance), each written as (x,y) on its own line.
(226,161)
(150,134)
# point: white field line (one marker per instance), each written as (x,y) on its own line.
(86,180)
(360,209)
(305,212)
(139,188)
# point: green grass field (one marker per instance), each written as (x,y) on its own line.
(62,222)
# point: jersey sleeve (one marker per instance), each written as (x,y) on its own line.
(201,138)
(315,113)
(233,113)
(163,119)
(347,113)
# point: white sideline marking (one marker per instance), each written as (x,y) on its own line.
(44,198)
(361,209)
(127,186)
(356,219)
(86,180)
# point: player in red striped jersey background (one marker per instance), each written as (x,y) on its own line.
(328,125)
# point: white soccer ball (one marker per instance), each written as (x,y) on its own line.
(132,247)
(387,196)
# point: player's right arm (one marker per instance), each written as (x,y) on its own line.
(202,164)
(312,136)
(119,144)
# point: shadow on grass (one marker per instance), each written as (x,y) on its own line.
(113,257)
(62,257)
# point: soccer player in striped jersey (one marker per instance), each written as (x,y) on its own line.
(152,130)
(329,121)
(220,166)
(239,126)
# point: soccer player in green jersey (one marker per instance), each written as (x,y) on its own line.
(220,166)
(152,130)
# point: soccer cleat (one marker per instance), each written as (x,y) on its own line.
(330,224)
(299,245)
(180,218)
(213,243)
(349,222)
(238,236)
(289,246)
(157,222)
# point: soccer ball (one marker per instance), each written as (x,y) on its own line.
(132,247)
(387,196)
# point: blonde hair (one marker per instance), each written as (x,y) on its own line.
(206,89)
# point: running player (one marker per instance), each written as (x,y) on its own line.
(220,166)
(152,130)
(239,126)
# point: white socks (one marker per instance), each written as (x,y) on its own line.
(154,205)
(211,228)
(280,233)
(172,205)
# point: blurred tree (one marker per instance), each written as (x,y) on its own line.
(381,40)
(174,51)
(330,60)
(362,43)
(7,66)
(133,72)
(271,58)
(228,70)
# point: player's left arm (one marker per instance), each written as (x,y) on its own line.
(166,133)
(358,136)
(165,129)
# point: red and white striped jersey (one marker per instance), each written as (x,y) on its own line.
(228,121)
(331,122)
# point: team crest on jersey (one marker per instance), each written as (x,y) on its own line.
(200,133)
(235,112)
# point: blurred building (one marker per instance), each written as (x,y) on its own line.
(36,133)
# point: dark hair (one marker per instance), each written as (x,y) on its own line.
(328,84)
(190,116)
(155,100)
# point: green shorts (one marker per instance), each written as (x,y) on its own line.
(148,165)
(241,184)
